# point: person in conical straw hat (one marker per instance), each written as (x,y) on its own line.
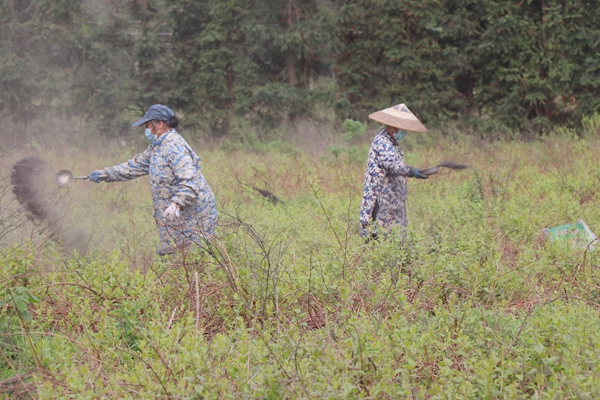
(384,197)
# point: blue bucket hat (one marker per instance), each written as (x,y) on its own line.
(157,112)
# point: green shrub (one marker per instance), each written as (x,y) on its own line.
(290,302)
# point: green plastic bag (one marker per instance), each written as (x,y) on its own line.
(578,234)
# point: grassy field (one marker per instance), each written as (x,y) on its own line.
(291,303)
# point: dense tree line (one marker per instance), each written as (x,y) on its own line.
(519,62)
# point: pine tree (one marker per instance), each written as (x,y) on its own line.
(35,55)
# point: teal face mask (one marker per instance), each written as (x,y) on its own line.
(400,134)
(149,135)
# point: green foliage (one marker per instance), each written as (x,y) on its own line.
(353,129)
(104,87)
(258,61)
(16,299)
(522,65)
(354,154)
(35,56)
(591,124)
(512,61)
(290,302)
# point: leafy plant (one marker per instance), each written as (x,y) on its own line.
(288,301)
(353,129)
(18,300)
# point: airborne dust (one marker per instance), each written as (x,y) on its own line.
(35,189)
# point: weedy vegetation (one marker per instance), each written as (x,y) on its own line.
(290,303)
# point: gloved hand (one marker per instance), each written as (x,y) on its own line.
(172,212)
(416,173)
(97,176)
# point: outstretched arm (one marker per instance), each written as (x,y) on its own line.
(131,169)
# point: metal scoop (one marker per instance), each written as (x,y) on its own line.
(64,177)
(447,164)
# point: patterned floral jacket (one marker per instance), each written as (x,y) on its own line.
(384,195)
(175,175)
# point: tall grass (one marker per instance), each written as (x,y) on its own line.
(290,303)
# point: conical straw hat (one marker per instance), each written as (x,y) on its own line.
(400,117)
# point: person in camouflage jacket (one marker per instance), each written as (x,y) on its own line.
(184,205)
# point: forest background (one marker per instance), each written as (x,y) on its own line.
(233,66)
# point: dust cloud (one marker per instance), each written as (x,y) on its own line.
(35,189)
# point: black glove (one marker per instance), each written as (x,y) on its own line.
(416,173)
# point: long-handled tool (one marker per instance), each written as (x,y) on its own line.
(64,177)
(447,164)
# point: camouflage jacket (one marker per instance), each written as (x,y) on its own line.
(175,176)
(384,195)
